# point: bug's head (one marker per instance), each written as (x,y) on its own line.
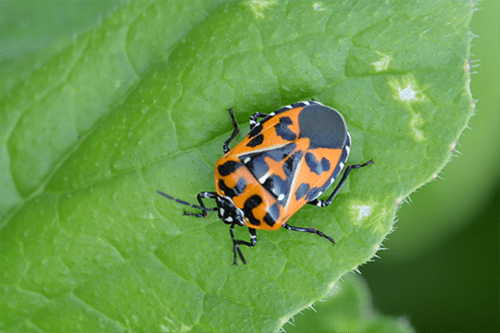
(228,212)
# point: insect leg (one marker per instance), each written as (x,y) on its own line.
(210,195)
(237,243)
(309,230)
(323,203)
(204,209)
(225,146)
(253,118)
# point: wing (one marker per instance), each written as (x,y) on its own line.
(296,154)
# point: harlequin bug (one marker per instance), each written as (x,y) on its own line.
(288,159)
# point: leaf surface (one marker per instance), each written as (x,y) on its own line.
(139,105)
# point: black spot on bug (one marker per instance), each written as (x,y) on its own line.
(325,163)
(324,126)
(283,131)
(257,164)
(316,166)
(313,194)
(281,153)
(249,205)
(276,185)
(235,191)
(291,163)
(272,215)
(256,141)
(228,168)
(301,191)
(222,185)
(256,130)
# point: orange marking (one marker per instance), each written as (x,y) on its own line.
(275,167)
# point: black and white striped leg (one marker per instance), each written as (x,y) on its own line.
(323,203)
(237,243)
(253,118)
(309,230)
(211,195)
(225,146)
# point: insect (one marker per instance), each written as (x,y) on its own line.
(289,158)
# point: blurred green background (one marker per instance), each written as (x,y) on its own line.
(441,270)
(441,267)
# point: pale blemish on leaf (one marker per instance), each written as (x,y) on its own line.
(258,7)
(363,211)
(383,63)
(407,90)
(407,94)
(416,126)
(318,6)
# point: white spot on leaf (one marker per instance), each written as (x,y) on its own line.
(363,211)
(259,6)
(407,89)
(383,63)
(318,6)
(411,94)
(407,93)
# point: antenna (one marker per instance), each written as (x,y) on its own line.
(205,209)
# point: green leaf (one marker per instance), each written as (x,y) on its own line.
(350,309)
(27,27)
(139,105)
